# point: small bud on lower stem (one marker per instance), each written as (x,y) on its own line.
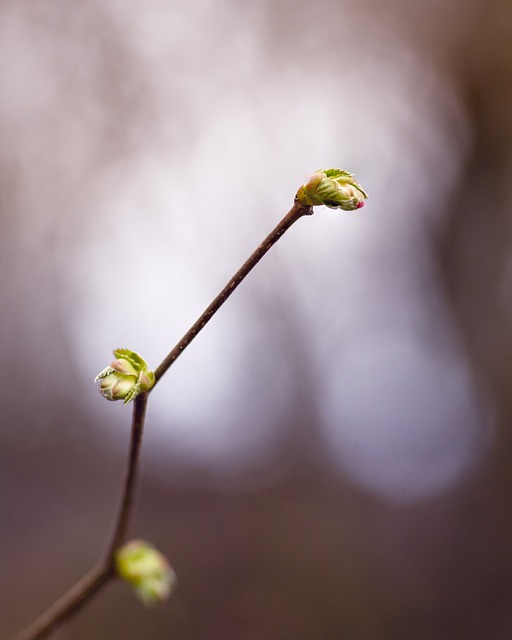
(146,570)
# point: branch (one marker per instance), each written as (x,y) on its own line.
(297,211)
(67,604)
(93,581)
(125,508)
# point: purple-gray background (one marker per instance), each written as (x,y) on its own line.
(331,457)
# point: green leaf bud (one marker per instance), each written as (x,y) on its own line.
(121,365)
(335,188)
(147,570)
(126,377)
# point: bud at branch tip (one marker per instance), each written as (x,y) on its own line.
(335,188)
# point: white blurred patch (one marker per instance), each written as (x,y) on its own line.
(403,419)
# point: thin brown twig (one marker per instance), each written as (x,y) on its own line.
(67,604)
(93,581)
(297,211)
(125,507)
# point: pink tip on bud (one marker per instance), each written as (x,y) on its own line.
(360,204)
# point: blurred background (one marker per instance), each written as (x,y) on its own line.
(332,456)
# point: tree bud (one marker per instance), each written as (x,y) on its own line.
(126,377)
(335,188)
(146,570)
